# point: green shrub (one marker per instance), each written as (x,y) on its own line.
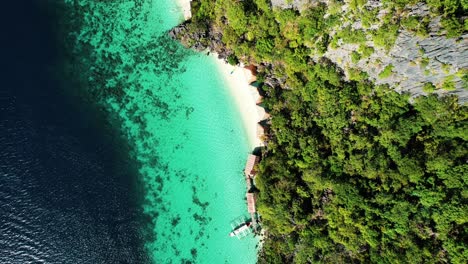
(334,43)
(201,10)
(463,75)
(446,68)
(321,46)
(411,23)
(348,35)
(264,46)
(357,75)
(416,24)
(385,36)
(453,27)
(232,59)
(424,62)
(387,18)
(421,52)
(334,7)
(429,87)
(368,17)
(448,7)
(355,57)
(461,72)
(448,84)
(356,5)
(365,51)
(386,72)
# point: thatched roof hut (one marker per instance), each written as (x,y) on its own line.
(252,161)
(251,203)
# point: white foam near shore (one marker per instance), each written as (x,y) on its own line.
(246,97)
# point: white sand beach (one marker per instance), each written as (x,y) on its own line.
(245,95)
(185,6)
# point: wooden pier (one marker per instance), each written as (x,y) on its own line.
(252,161)
(242,227)
(250,172)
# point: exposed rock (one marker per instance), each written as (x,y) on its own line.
(200,37)
(419,9)
(374,4)
(415,61)
(294,4)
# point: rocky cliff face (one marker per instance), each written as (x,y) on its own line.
(415,62)
(445,60)
(296,4)
(201,37)
(432,63)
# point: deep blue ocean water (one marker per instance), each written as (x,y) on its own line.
(68,192)
(116,146)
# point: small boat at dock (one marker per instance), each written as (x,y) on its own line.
(240,227)
(243,228)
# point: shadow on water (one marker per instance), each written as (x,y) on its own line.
(66,171)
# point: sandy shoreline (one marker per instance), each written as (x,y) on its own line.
(245,97)
(185,6)
(238,80)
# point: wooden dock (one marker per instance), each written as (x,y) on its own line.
(242,227)
(252,161)
(250,172)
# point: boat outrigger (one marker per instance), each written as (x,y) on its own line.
(241,227)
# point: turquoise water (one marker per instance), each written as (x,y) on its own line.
(176,112)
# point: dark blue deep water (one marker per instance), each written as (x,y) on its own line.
(68,193)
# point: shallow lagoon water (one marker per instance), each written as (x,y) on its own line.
(176,112)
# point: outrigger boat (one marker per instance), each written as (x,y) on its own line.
(244,228)
(241,227)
